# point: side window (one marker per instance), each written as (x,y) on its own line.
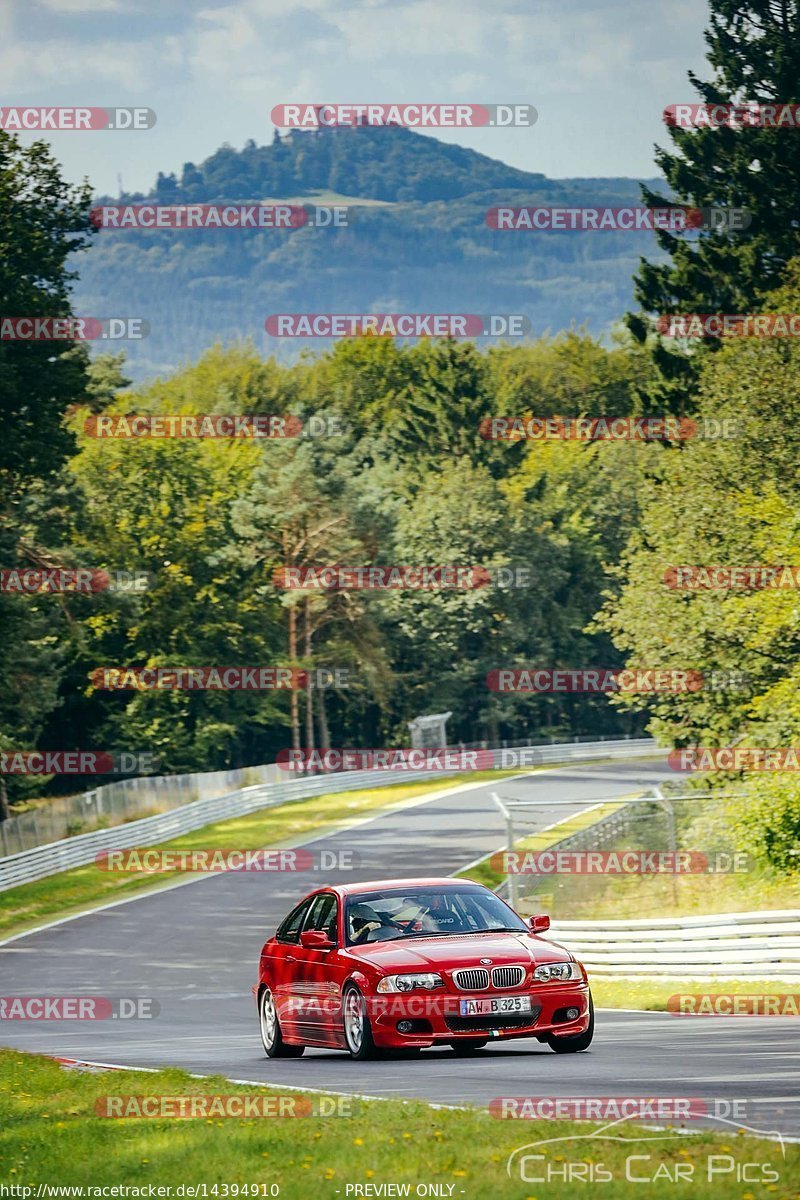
(323,915)
(289,930)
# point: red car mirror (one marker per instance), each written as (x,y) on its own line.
(315,939)
(539,923)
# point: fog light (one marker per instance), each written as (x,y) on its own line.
(573,1014)
(405,1026)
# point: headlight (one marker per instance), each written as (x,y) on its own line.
(407,983)
(562,970)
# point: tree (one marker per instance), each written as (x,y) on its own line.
(754,53)
(42,221)
(723,502)
(163,506)
(437,415)
(306,507)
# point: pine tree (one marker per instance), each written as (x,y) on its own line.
(754,51)
(42,222)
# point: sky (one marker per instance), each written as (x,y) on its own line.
(599,73)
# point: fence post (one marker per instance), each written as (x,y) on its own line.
(512,875)
(672,835)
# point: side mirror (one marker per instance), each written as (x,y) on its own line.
(315,939)
(540,923)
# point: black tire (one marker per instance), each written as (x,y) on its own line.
(574,1042)
(357,1028)
(271,1036)
(467,1047)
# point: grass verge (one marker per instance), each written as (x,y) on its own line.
(628,897)
(51,1134)
(82,888)
(654,992)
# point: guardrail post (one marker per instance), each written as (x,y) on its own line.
(512,877)
(672,834)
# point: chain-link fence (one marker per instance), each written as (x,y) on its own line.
(123,800)
(665,819)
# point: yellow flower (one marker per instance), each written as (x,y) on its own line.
(460,1173)
(358,1141)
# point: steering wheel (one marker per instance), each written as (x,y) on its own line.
(363,934)
(413,922)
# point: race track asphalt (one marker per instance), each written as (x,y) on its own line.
(194,949)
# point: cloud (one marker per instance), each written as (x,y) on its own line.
(598,71)
(79,7)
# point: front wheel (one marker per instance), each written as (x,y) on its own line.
(573,1042)
(357,1029)
(271,1036)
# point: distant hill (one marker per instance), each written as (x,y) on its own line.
(418,242)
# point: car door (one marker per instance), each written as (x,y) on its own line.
(281,965)
(316,989)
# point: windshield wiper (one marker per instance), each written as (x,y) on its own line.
(464,932)
(496,929)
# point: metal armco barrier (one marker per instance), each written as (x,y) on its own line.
(120,801)
(77,851)
(755,945)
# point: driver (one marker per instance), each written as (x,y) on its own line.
(437,916)
(363,919)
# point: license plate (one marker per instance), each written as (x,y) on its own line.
(480,1006)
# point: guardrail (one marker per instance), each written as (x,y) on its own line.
(121,801)
(760,945)
(77,851)
(124,800)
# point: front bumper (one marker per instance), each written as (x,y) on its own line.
(430,1017)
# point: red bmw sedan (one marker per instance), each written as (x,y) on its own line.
(407,964)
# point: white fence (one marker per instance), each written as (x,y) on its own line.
(756,945)
(77,851)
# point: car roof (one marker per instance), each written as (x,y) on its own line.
(385,885)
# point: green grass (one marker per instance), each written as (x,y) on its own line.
(653,992)
(626,897)
(69,892)
(50,1133)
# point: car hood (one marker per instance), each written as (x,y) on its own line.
(431,953)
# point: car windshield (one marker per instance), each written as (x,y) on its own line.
(426,912)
